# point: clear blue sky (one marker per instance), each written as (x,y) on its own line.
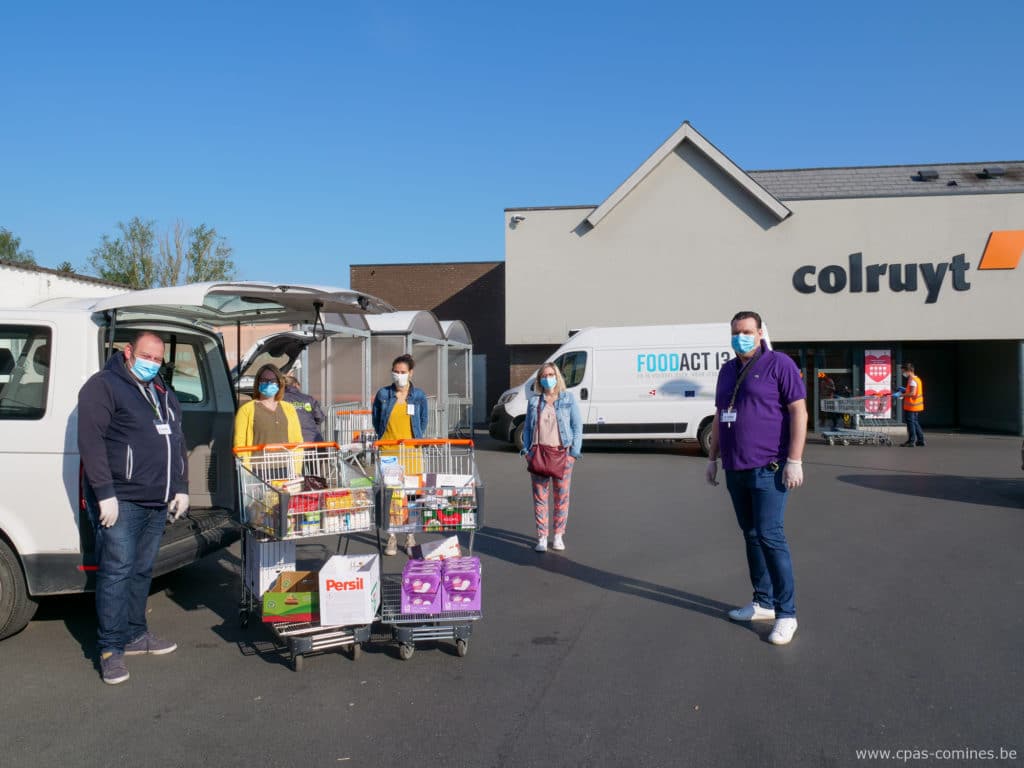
(315,135)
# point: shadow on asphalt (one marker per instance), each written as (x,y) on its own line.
(517,548)
(984,491)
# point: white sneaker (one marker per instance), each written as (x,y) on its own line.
(391,549)
(557,543)
(783,631)
(410,542)
(542,545)
(752,612)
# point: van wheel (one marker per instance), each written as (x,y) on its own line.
(16,607)
(704,438)
(517,436)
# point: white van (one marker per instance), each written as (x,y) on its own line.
(47,352)
(645,382)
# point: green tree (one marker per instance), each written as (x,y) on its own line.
(66,266)
(11,250)
(141,259)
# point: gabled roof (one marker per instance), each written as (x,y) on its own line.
(688,133)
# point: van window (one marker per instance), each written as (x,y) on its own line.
(572,365)
(24,371)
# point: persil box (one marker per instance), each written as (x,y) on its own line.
(349,590)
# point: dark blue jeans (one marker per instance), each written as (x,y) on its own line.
(759,499)
(914,433)
(125,552)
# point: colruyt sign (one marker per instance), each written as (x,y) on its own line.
(1003,251)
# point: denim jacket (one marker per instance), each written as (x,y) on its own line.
(570,423)
(385,401)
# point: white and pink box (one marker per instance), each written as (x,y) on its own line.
(349,590)
(421,586)
(460,584)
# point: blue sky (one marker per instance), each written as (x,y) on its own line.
(315,135)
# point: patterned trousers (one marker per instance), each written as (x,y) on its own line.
(541,493)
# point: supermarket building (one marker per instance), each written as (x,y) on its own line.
(854,270)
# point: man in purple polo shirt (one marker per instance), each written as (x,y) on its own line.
(759,431)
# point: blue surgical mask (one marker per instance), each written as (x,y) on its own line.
(548,382)
(269,388)
(742,343)
(145,370)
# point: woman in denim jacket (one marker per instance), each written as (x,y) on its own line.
(400,413)
(552,418)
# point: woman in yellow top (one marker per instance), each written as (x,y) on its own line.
(266,419)
(400,413)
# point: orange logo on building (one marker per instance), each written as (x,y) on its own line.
(1003,250)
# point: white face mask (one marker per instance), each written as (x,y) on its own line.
(401,379)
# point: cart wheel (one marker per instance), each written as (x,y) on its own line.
(243,618)
(298,662)
(462,647)
(355,651)
(405,651)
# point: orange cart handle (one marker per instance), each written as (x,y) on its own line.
(414,443)
(351,413)
(238,451)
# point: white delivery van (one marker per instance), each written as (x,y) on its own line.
(47,351)
(645,382)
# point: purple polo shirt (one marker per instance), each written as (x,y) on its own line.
(760,434)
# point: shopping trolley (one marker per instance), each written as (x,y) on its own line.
(291,492)
(871,420)
(427,486)
(354,433)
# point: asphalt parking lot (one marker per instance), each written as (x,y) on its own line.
(616,652)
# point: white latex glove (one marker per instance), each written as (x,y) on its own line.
(711,473)
(108,511)
(177,507)
(793,475)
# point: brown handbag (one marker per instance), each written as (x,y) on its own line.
(546,460)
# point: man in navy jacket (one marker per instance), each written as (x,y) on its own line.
(136,475)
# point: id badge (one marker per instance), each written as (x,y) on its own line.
(162,428)
(727,417)
(410,409)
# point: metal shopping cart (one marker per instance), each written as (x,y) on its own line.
(429,486)
(354,433)
(291,492)
(870,418)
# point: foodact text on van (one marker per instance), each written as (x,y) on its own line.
(651,382)
(47,351)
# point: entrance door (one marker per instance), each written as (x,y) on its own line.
(831,384)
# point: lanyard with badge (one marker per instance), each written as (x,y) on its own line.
(728,416)
(161,425)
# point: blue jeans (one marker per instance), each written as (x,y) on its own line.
(914,433)
(125,552)
(759,499)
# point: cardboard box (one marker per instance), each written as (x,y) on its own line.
(461,584)
(438,550)
(292,597)
(349,590)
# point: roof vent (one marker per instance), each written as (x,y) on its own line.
(993,172)
(927,174)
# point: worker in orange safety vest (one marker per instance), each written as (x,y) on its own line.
(913,404)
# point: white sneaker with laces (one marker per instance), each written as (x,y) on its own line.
(783,631)
(542,544)
(752,612)
(557,543)
(391,548)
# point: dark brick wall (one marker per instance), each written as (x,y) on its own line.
(524,359)
(473,292)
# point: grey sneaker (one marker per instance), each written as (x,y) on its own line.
(410,542)
(113,668)
(149,643)
(391,548)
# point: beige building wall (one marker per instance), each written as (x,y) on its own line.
(688,244)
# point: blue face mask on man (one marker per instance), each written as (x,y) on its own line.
(743,344)
(145,370)
(269,388)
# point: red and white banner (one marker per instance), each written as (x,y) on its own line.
(877,383)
